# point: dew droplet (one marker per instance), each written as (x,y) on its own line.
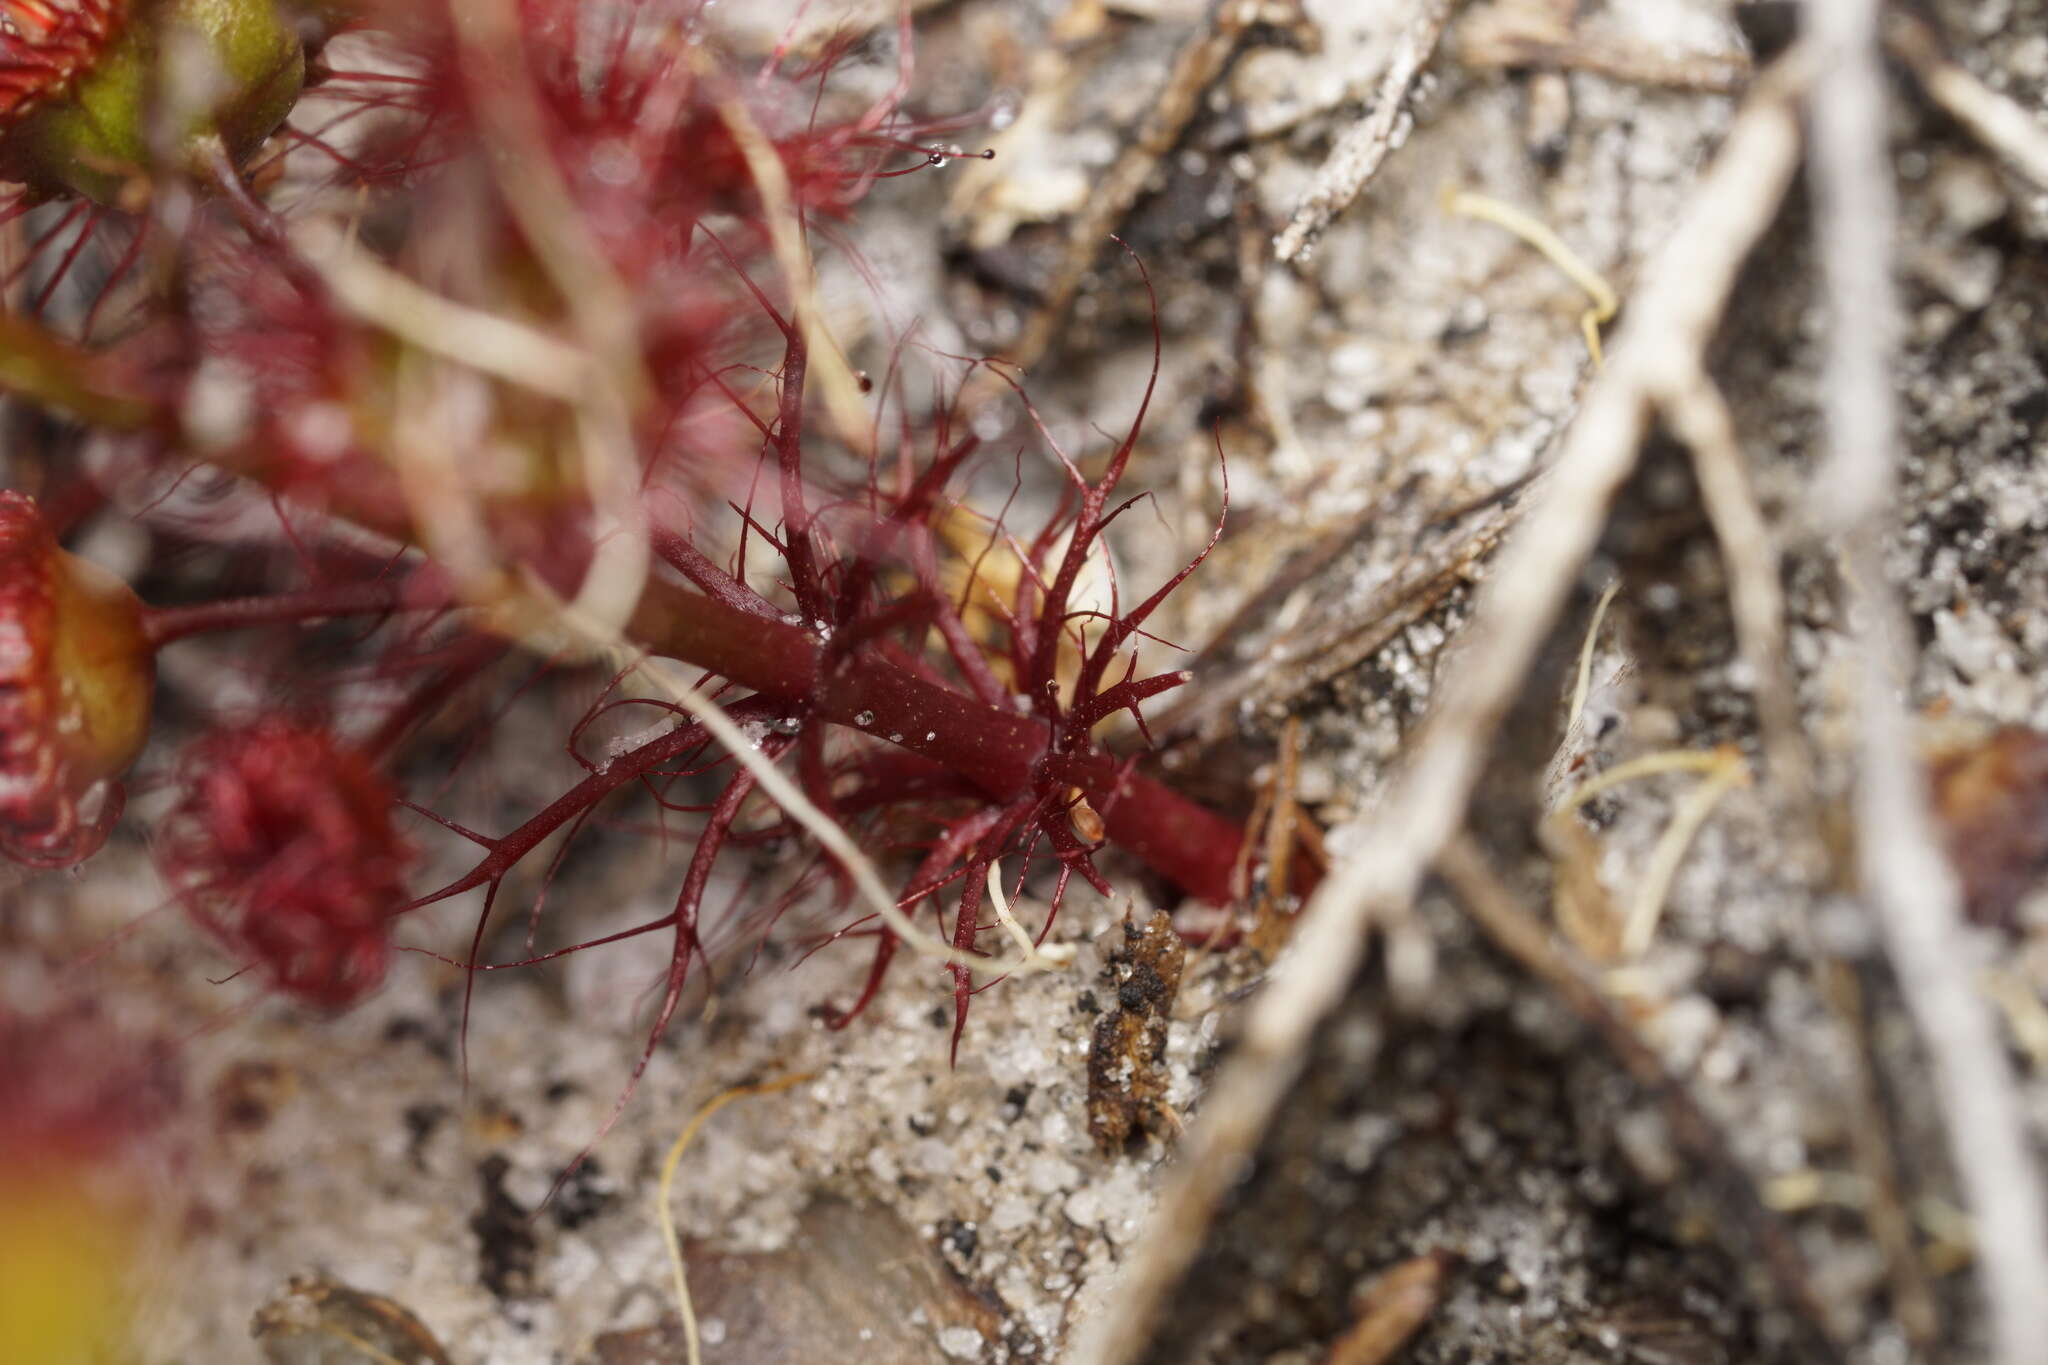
(864,719)
(895,739)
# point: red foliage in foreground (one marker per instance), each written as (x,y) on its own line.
(527,256)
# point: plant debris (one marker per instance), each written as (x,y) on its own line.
(1126,1084)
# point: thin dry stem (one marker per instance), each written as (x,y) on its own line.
(1699,417)
(1906,878)
(827,362)
(485,342)
(1195,69)
(1511,927)
(1358,155)
(1391,1310)
(1044,959)
(1993,119)
(1500,38)
(1684,291)
(513,127)
(664,1200)
(1871,1145)
(1545,242)
(1582,685)
(1662,869)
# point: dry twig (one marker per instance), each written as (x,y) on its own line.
(1997,122)
(1327,646)
(1870,1144)
(1509,925)
(1674,312)
(664,1199)
(1358,154)
(1200,62)
(1905,876)
(1519,37)
(1698,415)
(1391,1310)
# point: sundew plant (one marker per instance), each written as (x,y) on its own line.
(482,337)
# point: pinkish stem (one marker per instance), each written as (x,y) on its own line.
(1001,751)
(163,625)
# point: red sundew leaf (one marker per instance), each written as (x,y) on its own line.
(46,44)
(282,846)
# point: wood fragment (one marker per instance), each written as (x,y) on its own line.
(317,1321)
(1501,37)
(1326,646)
(1126,1076)
(1698,416)
(1995,120)
(1273,916)
(1906,879)
(664,1199)
(1358,155)
(1391,1310)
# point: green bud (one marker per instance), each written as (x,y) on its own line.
(224,72)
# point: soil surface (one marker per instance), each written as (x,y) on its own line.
(1782,1193)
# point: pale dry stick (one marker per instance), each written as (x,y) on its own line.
(1673,315)
(1872,1148)
(1582,685)
(664,1201)
(445,509)
(1907,880)
(1993,119)
(491,39)
(418,316)
(1654,888)
(1546,95)
(1511,927)
(1699,417)
(1358,155)
(826,362)
(1706,73)
(2026,1018)
(490,36)
(431,426)
(1391,1310)
(1702,761)
(1949,1244)
(1045,959)
(1200,61)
